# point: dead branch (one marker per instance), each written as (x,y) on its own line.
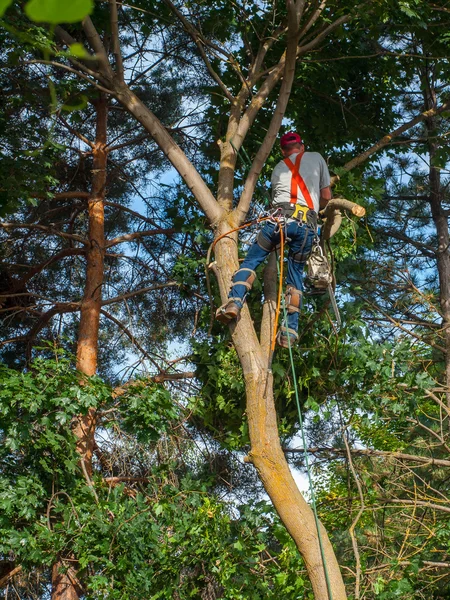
(426,460)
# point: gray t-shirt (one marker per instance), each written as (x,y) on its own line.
(314,172)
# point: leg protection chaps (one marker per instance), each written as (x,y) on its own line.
(293,300)
(245,277)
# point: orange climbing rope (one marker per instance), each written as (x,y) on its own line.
(280,285)
(255,222)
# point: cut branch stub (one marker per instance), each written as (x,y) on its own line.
(332,214)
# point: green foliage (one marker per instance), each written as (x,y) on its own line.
(221,405)
(55,11)
(4,5)
(147,411)
(144,544)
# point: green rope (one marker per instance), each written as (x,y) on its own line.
(302,429)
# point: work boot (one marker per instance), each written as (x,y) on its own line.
(228,312)
(286,337)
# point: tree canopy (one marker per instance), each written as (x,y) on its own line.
(146,450)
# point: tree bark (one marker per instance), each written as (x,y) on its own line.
(64,584)
(87,349)
(440,221)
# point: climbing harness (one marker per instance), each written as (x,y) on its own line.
(319,277)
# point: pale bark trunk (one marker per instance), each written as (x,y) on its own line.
(64,584)
(173,152)
(266,452)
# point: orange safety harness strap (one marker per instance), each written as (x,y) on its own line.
(297,181)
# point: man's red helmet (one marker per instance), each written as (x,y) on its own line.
(290,138)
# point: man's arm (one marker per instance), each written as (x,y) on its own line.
(325,197)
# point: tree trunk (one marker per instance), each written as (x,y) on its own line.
(440,220)
(63,584)
(443,262)
(266,453)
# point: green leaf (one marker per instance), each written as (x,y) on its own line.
(238,545)
(78,103)
(55,11)
(4,5)
(79,51)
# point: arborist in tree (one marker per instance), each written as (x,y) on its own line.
(300,188)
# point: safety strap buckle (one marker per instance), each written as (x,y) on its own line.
(300,213)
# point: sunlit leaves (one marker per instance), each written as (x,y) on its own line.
(55,11)
(4,5)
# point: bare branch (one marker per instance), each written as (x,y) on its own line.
(96,44)
(58,65)
(415,503)
(195,35)
(139,292)
(49,230)
(38,268)
(427,460)
(116,39)
(130,336)
(384,141)
(129,237)
(76,133)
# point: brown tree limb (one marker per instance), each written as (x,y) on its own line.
(4,580)
(49,230)
(384,141)
(333,217)
(429,461)
(130,211)
(97,46)
(129,237)
(130,336)
(139,292)
(93,79)
(159,378)
(114,20)
(38,268)
(423,503)
(76,133)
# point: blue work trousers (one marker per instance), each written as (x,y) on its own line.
(299,237)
